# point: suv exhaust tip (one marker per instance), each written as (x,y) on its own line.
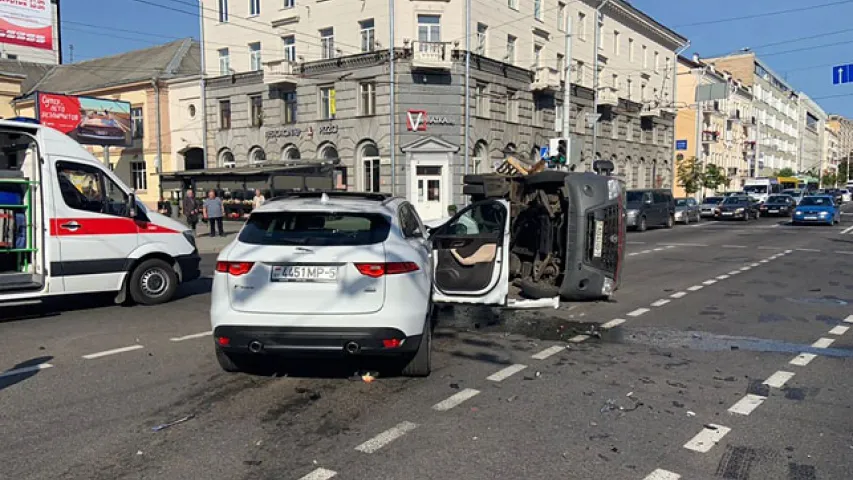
(352,348)
(255,346)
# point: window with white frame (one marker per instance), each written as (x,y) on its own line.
(482,35)
(561,16)
(327,43)
(254,7)
(537,9)
(370,162)
(289,4)
(581,26)
(629,87)
(580,71)
(511,105)
(223,11)
(368,35)
(289,43)
(327,102)
(137,122)
(256,110)
(630,49)
(657,61)
(643,92)
(139,175)
(481,100)
(367,98)
(561,66)
(429,28)
(255,56)
(225,114)
(224,61)
(645,57)
(615,83)
(510,49)
(616,43)
(289,116)
(513,4)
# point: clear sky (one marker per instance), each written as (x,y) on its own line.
(801,46)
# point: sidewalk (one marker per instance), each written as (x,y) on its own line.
(207,244)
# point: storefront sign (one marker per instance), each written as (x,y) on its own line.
(283,133)
(417,120)
(330,129)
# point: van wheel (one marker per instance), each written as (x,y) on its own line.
(153,282)
(641,227)
(420,365)
(670,221)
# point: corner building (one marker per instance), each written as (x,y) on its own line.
(311,82)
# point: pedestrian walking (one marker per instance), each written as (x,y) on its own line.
(258,200)
(190,207)
(213,212)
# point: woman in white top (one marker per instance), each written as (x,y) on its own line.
(258,200)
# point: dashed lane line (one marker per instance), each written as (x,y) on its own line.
(709,282)
(386,437)
(23,370)
(661,302)
(844,252)
(849,319)
(505,373)
(803,359)
(637,312)
(112,352)
(754,265)
(778,379)
(823,342)
(839,330)
(320,474)
(455,400)
(579,339)
(846,230)
(705,440)
(192,336)
(695,288)
(744,269)
(808,250)
(548,352)
(678,294)
(661,474)
(747,404)
(722,277)
(670,245)
(734,272)
(612,323)
(733,246)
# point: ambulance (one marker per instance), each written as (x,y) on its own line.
(68,225)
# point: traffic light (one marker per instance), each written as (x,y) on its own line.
(562,152)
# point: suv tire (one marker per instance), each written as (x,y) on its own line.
(670,221)
(641,226)
(153,282)
(420,365)
(537,290)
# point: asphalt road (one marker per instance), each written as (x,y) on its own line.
(723,355)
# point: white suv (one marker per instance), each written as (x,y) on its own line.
(348,274)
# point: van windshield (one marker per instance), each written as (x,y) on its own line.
(315,229)
(755,189)
(634,197)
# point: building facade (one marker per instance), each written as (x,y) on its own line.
(313,84)
(811,126)
(830,150)
(776,107)
(843,128)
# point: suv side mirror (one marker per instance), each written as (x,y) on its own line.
(131,205)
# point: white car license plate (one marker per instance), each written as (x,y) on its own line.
(599,239)
(304,273)
(772,211)
(727,214)
(811,218)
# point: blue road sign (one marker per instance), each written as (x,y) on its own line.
(543,152)
(841,74)
(681,144)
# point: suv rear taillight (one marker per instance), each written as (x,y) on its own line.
(376,270)
(234,268)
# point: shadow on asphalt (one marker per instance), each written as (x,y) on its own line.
(10,380)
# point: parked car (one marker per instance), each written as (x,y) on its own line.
(650,208)
(817,209)
(778,205)
(709,206)
(687,209)
(737,208)
(846,196)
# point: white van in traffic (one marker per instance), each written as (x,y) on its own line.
(68,225)
(762,187)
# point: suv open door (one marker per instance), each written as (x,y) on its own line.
(470,255)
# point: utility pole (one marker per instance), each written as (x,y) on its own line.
(202,86)
(392,99)
(467,82)
(567,92)
(595,75)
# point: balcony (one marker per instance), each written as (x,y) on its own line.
(734,116)
(608,96)
(710,136)
(712,108)
(650,111)
(545,78)
(431,55)
(280,72)
(748,147)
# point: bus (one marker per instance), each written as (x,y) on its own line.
(788,183)
(762,187)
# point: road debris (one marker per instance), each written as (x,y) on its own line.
(172,424)
(512,398)
(691,414)
(368,377)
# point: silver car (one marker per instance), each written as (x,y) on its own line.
(687,210)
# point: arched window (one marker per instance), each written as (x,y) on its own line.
(370,167)
(328,152)
(481,157)
(257,155)
(290,154)
(226,159)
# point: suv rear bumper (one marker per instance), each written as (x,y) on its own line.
(315,340)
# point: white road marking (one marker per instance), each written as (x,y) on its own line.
(747,404)
(709,282)
(678,294)
(734,246)
(22,370)
(734,272)
(774,226)
(843,252)
(455,400)
(661,474)
(661,302)
(753,265)
(696,287)
(670,245)
(823,342)
(579,338)
(778,379)
(112,352)
(613,323)
(636,243)
(705,440)
(808,250)
(803,359)
(637,312)
(743,269)
(846,230)
(657,249)
(788,251)
(320,474)
(632,254)
(722,277)
(763,261)
(646,251)
(839,330)
(849,319)
(769,248)
(190,337)
(548,352)
(386,437)
(507,372)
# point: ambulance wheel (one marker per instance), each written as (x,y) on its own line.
(153,282)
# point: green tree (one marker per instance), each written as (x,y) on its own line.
(829,179)
(690,175)
(713,177)
(785,172)
(842,172)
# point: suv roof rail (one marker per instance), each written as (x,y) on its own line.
(374,196)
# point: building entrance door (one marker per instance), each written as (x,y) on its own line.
(429,191)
